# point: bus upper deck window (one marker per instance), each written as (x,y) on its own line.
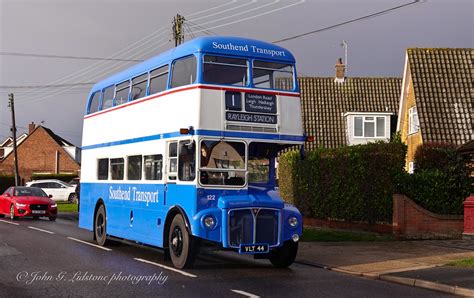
(184,72)
(225,71)
(94,103)
(272,75)
(121,93)
(108,97)
(139,87)
(158,79)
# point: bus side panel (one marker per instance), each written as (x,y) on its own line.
(184,196)
(87,205)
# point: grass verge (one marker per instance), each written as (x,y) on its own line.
(466,263)
(326,235)
(66,207)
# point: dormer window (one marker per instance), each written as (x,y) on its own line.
(369,127)
(413,122)
(364,127)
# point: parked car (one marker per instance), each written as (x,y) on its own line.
(24,201)
(74,181)
(61,191)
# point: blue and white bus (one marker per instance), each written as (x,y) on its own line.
(181,150)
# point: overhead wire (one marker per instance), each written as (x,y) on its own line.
(142,52)
(376,14)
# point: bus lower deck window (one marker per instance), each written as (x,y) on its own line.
(187,161)
(103,169)
(116,168)
(134,167)
(153,166)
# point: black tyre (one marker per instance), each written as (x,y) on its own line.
(52,218)
(12,212)
(182,246)
(100,226)
(72,198)
(2,215)
(284,256)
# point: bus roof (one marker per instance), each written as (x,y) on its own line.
(220,45)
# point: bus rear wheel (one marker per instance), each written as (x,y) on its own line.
(100,226)
(284,256)
(182,245)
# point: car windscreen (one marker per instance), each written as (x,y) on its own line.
(29,192)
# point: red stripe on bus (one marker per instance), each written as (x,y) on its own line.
(189,88)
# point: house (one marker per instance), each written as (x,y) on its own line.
(344,111)
(41,151)
(436,103)
(6,147)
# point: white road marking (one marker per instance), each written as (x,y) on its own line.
(10,222)
(98,246)
(245,293)
(41,230)
(166,267)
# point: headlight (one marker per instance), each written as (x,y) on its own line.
(209,222)
(54,205)
(20,205)
(293,221)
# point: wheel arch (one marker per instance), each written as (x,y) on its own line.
(99,203)
(172,212)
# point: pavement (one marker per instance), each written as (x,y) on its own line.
(413,263)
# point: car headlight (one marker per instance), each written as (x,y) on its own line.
(209,222)
(293,221)
(54,205)
(19,205)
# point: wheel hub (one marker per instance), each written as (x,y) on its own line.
(177,241)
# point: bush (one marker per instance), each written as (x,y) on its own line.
(435,190)
(436,156)
(6,181)
(441,180)
(353,183)
(62,177)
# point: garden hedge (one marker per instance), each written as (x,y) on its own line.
(352,183)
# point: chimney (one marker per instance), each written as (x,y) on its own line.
(31,127)
(340,71)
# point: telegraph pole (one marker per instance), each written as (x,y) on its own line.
(178,32)
(11,104)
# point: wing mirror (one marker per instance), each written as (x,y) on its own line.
(7,195)
(50,196)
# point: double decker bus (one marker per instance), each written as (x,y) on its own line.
(180,150)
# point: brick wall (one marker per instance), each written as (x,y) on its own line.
(37,154)
(413,222)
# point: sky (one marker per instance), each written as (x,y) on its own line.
(140,29)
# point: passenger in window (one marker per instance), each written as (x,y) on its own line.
(205,155)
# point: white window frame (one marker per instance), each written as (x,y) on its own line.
(413,120)
(364,120)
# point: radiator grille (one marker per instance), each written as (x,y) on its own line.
(254,226)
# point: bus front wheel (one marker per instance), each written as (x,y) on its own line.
(284,256)
(181,244)
(100,226)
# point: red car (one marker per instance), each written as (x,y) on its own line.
(24,201)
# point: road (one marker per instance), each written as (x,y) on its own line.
(42,258)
